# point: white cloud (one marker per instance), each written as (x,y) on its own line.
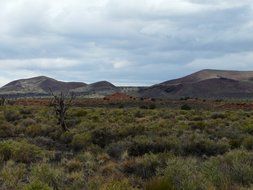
(98,38)
(236,61)
(120,64)
(37,64)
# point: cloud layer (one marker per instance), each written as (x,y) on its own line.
(125,42)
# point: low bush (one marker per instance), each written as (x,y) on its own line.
(116,150)
(185,107)
(248,143)
(48,175)
(158,183)
(20,151)
(80,141)
(218,115)
(73,165)
(141,145)
(145,167)
(102,137)
(37,185)
(117,185)
(12,175)
(234,168)
(11,115)
(181,174)
(199,146)
(7,130)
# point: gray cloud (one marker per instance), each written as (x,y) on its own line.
(126,42)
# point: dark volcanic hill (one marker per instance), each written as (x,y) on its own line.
(101,88)
(39,85)
(205,84)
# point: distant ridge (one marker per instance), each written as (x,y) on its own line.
(98,89)
(211,74)
(205,84)
(218,84)
(39,85)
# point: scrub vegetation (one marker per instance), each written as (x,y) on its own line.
(126,149)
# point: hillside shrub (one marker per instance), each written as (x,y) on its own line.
(34,130)
(12,175)
(248,143)
(37,185)
(141,145)
(80,141)
(181,174)
(20,151)
(235,167)
(11,115)
(145,167)
(102,137)
(51,176)
(28,122)
(158,183)
(199,147)
(7,130)
(185,107)
(73,165)
(116,150)
(218,115)
(117,185)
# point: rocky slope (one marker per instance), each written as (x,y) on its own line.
(205,84)
(39,85)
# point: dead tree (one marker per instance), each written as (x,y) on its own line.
(61,103)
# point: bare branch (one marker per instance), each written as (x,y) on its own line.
(61,104)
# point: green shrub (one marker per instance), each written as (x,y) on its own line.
(28,122)
(44,142)
(90,163)
(11,115)
(185,107)
(248,143)
(141,145)
(48,175)
(12,175)
(218,115)
(37,185)
(248,128)
(102,136)
(116,150)
(144,167)
(158,183)
(236,167)
(199,146)
(81,113)
(67,137)
(20,151)
(143,107)
(34,130)
(7,130)
(73,165)
(25,111)
(152,106)
(117,185)
(80,141)
(183,174)
(76,181)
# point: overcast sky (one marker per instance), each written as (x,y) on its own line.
(127,42)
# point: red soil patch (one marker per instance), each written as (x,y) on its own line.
(237,106)
(118,97)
